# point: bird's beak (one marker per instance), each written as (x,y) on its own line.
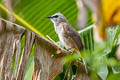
(49,17)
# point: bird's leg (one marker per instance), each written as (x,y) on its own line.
(69,49)
(85,65)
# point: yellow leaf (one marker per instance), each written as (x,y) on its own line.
(107,14)
(111,11)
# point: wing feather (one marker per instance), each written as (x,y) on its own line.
(74,36)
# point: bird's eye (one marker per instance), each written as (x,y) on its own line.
(56,16)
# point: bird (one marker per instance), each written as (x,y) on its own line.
(67,35)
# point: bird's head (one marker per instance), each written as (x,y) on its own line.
(57,18)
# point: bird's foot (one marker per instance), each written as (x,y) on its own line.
(70,50)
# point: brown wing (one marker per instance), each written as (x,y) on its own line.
(74,36)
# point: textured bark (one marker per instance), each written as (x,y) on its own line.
(26,53)
(8,37)
(16,47)
(46,65)
(11,39)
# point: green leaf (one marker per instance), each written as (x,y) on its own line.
(28,75)
(102,69)
(113,76)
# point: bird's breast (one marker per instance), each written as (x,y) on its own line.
(63,36)
(64,40)
(59,29)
